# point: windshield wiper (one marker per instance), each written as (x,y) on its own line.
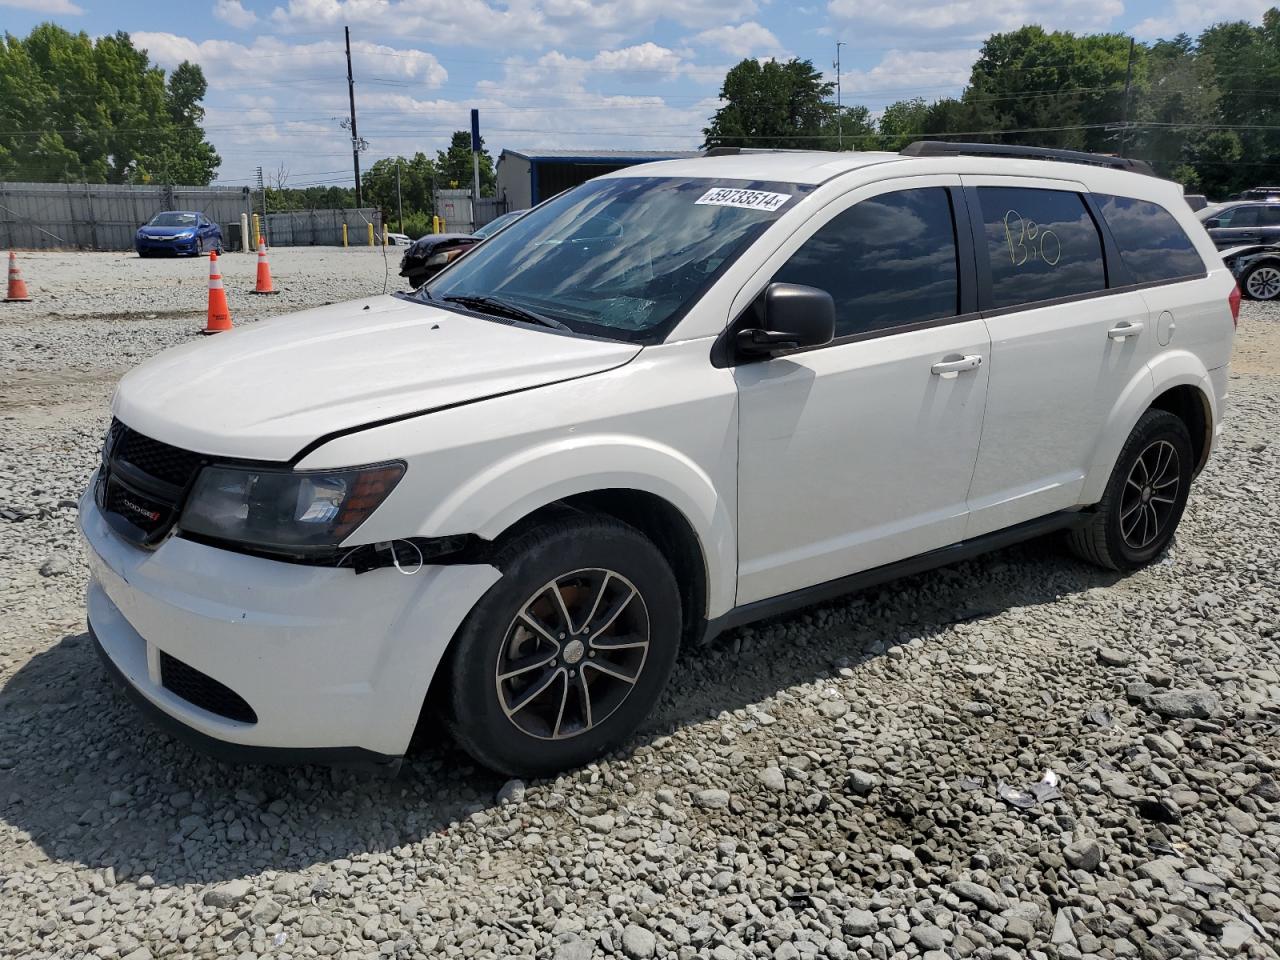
(505,308)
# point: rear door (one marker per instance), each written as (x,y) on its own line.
(1063,348)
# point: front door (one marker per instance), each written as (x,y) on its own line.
(860,453)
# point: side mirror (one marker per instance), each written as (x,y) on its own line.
(1212,222)
(794,316)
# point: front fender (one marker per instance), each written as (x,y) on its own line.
(509,490)
(1172,369)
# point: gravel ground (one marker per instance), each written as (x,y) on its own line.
(845,782)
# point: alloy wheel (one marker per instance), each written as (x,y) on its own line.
(572,654)
(1150,494)
(1264,283)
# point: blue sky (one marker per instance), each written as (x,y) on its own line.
(614,74)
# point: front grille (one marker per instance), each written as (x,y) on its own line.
(201,690)
(142,483)
(156,459)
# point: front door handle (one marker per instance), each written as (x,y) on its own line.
(953,366)
(1129,328)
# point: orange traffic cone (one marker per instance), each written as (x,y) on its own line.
(219,316)
(17,286)
(264,271)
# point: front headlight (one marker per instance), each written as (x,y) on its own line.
(186,234)
(437,259)
(286,511)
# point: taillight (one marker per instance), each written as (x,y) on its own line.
(1234,302)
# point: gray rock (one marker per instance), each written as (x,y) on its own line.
(712,799)
(860,923)
(1083,854)
(1113,657)
(928,937)
(1241,820)
(1062,932)
(56,565)
(228,894)
(574,948)
(638,943)
(1184,704)
(512,792)
(773,779)
(265,912)
(601,824)
(993,901)
(861,782)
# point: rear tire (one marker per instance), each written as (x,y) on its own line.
(1143,503)
(567,654)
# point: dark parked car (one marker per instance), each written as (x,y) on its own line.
(1257,270)
(428,255)
(1242,222)
(178,231)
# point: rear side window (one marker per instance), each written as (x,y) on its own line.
(1042,244)
(1152,244)
(887,262)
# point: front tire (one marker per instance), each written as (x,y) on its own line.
(568,653)
(1262,282)
(1143,503)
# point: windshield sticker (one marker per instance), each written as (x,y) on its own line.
(747,199)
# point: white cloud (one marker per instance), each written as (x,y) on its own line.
(234,13)
(742,40)
(52,7)
(1184,16)
(902,74)
(273,60)
(973,19)
(518,23)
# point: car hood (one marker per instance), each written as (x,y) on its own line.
(267,391)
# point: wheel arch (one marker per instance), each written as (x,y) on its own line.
(651,487)
(1177,382)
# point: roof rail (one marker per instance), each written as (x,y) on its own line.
(944,148)
(735,151)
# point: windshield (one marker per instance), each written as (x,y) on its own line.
(619,257)
(173,220)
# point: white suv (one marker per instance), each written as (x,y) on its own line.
(672,400)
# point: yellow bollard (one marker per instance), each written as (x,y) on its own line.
(371,234)
(257,231)
(344,234)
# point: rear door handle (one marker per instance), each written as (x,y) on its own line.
(954,366)
(1130,328)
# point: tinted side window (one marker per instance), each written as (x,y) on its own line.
(887,262)
(1152,245)
(1042,244)
(1270,215)
(1243,217)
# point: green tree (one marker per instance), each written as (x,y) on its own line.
(780,105)
(417,185)
(902,122)
(73,108)
(454,165)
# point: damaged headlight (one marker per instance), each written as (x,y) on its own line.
(286,511)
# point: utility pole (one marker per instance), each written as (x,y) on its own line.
(355,137)
(475,163)
(399,204)
(839,111)
(262,189)
(1128,80)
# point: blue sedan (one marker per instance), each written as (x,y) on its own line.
(178,231)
